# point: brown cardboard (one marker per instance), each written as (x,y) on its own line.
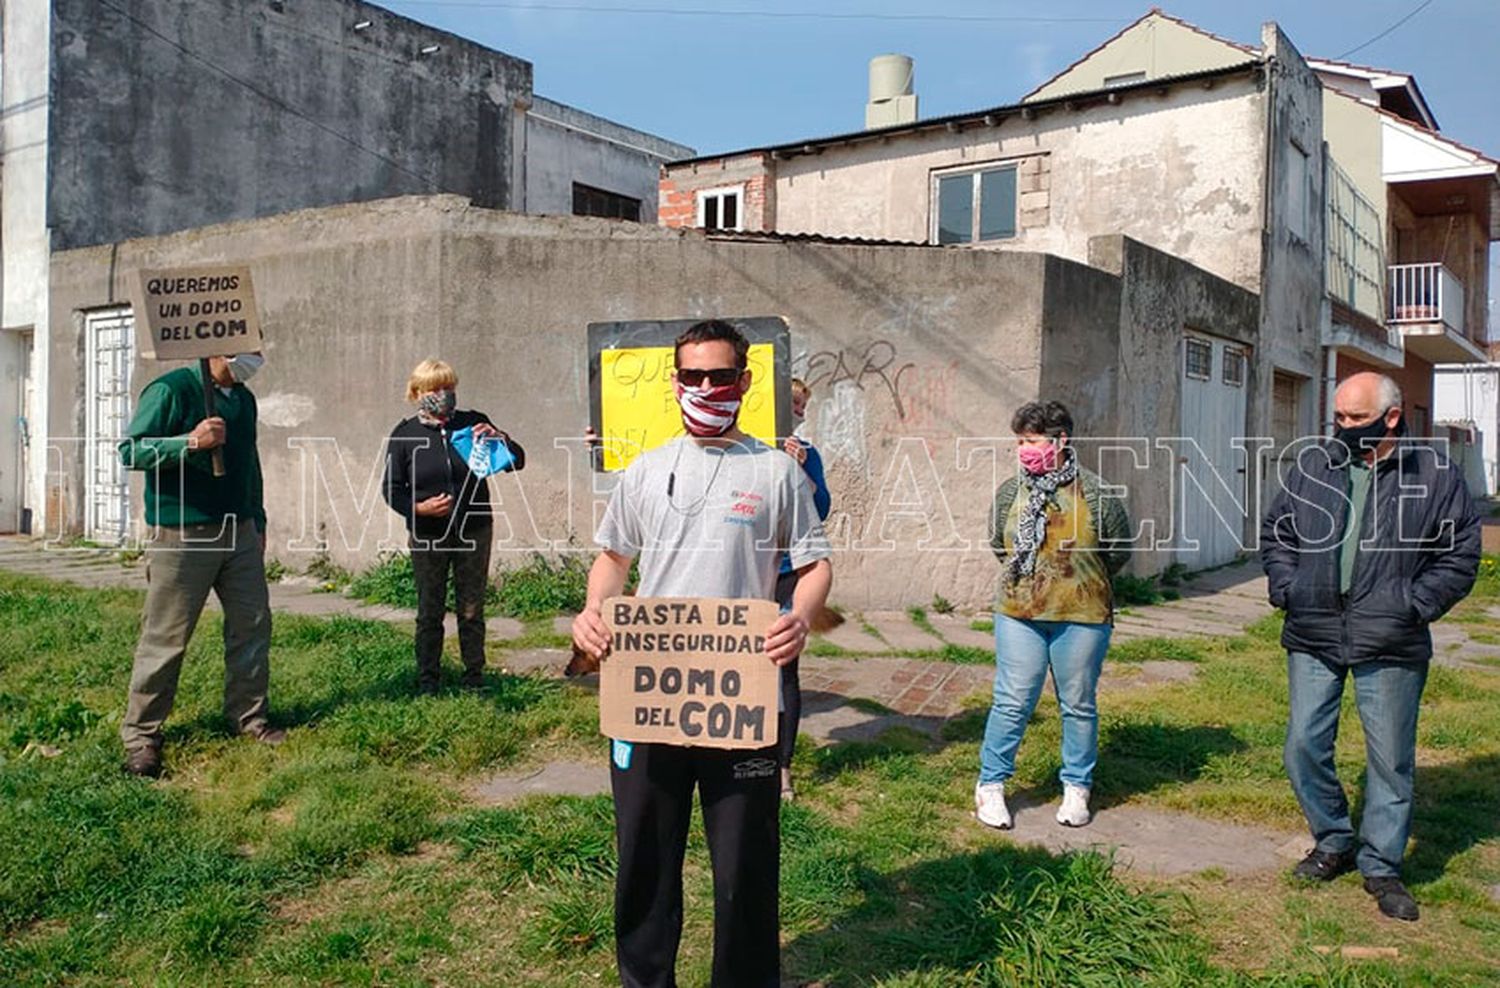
(689,671)
(188,313)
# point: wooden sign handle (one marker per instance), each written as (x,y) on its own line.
(209,409)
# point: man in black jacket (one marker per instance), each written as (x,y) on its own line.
(1372,539)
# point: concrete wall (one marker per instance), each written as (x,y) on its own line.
(23,242)
(565,145)
(146,138)
(1159,298)
(1156,45)
(1352,130)
(1472,394)
(1180,172)
(917,357)
(1293,283)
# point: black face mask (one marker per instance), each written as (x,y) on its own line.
(1355,437)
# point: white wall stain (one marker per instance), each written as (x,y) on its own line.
(841,426)
(285,410)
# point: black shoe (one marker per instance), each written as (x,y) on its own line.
(144,762)
(1324,866)
(1392,898)
(427,687)
(473,679)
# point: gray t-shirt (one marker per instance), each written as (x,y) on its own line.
(713,521)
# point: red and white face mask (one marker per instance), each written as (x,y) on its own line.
(708,411)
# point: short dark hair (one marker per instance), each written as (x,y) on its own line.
(715,329)
(1044,418)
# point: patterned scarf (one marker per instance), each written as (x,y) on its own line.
(1031,530)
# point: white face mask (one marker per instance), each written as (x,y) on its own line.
(242,366)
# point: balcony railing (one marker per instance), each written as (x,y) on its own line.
(1426,293)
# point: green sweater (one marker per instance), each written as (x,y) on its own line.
(181,488)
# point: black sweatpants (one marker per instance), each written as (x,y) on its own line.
(791,683)
(469,559)
(741,803)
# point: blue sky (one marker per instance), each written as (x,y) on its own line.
(733,79)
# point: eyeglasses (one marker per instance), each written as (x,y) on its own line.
(719,377)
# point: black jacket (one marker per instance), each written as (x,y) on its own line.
(1418,556)
(420,463)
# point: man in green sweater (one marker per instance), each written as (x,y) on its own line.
(207,533)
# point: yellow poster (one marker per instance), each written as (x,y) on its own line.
(638,409)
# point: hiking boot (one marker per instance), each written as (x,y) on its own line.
(265,733)
(144,762)
(1392,898)
(1324,866)
(1074,811)
(989,805)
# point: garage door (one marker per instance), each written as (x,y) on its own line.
(1211,479)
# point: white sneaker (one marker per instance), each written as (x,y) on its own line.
(989,805)
(1074,811)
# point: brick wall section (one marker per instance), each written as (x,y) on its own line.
(677,195)
(1034,191)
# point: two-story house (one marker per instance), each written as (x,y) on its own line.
(1323,187)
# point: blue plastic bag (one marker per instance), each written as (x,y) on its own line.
(485,454)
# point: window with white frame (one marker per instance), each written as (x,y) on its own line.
(974,206)
(721,209)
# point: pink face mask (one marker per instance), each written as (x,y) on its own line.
(1038,459)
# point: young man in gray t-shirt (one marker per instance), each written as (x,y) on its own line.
(710,515)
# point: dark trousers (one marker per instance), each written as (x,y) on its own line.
(791,683)
(469,560)
(741,803)
(791,712)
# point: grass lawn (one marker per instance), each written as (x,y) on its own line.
(351,856)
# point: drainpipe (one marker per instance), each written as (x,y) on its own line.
(1330,385)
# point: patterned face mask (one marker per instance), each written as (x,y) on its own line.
(438,404)
(708,411)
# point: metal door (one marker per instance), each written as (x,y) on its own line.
(111,354)
(1211,478)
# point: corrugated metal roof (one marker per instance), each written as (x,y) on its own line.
(775,236)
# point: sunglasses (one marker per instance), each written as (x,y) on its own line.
(719,377)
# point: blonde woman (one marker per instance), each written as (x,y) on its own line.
(437,466)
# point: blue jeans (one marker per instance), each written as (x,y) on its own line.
(1024,651)
(1387,695)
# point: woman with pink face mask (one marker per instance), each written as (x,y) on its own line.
(1059,542)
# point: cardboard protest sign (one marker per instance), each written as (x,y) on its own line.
(689,671)
(190,313)
(630,377)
